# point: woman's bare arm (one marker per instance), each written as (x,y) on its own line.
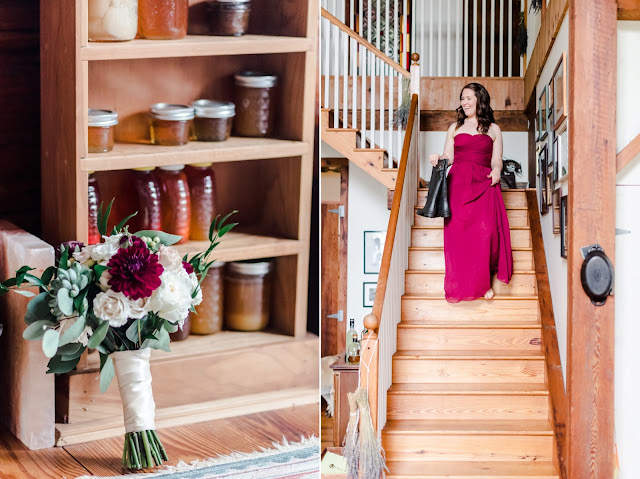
(496,156)
(448,144)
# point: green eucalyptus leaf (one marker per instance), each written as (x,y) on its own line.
(74,332)
(50,342)
(225,229)
(162,341)
(70,349)
(36,329)
(60,365)
(107,371)
(165,238)
(132,331)
(98,335)
(38,308)
(25,293)
(120,225)
(46,277)
(65,303)
(170,327)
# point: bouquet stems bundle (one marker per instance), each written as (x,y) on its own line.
(143,449)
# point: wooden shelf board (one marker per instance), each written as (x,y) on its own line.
(136,155)
(194,46)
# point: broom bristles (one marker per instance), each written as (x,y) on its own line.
(351,438)
(371,458)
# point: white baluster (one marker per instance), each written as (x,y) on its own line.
(423,28)
(501,40)
(336,76)
(383,73)
(345,78)
(484,38)
(372,107)
(492,41)
(431,66)
(510,39)
(398,131)
(465,28)
(448,56)
(391,110)
(396,30)
(475,38)
(325,50)
(440,49)
(458,71)
(354,66)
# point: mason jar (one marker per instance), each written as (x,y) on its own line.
(170,124)
(213,119)
(101,134)
(247,295)
(255,104)
(112,21)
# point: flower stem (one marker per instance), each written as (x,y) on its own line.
(147,449)
(162,450)
(135,463)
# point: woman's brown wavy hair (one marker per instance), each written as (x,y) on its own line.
(484,112)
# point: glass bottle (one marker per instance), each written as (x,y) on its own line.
(353,352)
(202,189)
(255,104)
(182,333)
(175,201)
(352,333)
(163,19)
(147,202)
(247,295)
(112,21)
(94,204)
(208,319)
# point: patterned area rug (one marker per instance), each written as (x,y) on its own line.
(300,460)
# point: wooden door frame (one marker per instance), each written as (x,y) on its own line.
(341,165)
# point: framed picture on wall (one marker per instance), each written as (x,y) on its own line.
(373,248)
(556,162)
(550,105)
(542,181)
(564,226)
(560,91)
(368,294)
(556,211)
(542,110)
(550,184)
(563,154)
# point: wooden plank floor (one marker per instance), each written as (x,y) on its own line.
(187,443)
(326,428)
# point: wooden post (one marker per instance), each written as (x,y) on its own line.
(414,89)
(369,365)
(591,215)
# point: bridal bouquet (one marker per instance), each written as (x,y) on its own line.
(122,297)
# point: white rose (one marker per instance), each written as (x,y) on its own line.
(84,254)
(170,259)
(172,299)
(194,285)
(104,251)
(103,282)
(139,308)
(84,336)
(112,307)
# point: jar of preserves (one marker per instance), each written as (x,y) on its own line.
(213,119)
(182,333)
(111,21)
(163,19)
(175,201)
(146,190)
(247,295)
(255,104)
(208,319)
(170,124)
(229,17)
(94,204)
(101,135)
(202,189)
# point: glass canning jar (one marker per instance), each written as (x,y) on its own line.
(182,333)
(112,21)
(247,295)
(163,19)
(101,135)
(202,190)
(175,200)
(146,198)
(208,319)
(255,104)
(170,124)
(213,119)
(229,17)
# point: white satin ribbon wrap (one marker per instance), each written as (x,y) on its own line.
(134,380)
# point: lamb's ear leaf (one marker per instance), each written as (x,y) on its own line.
(50,342)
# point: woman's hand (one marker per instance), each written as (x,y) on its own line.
(495,176)
(433,159)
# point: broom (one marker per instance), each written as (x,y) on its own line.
(350,443)
(371,459)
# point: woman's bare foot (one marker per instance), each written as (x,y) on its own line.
(489,294)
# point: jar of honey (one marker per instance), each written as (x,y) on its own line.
(112,21)
(175,201)
(182,333)
(163,19)
(255,104)
(170,124)
(94,204)
(247,295)
(213,120)
(208,319)
(201,188)
(229,17)
(101,135)
(147,202)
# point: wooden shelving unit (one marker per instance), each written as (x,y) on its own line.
(268,180)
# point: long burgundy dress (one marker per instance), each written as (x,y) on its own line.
(477,242)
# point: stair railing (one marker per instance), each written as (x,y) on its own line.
(379,345)
(362,86)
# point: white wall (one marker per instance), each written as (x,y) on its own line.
(627,358)
(533,28)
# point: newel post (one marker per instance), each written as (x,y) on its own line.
(369,365)
(414,89)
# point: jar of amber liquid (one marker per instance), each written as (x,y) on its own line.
(247,295)
(101,134)
(255,104)
(208,319)
(170,124)
(145,190)
(111,21)
(229,17)
(163,19)
(182,333)
(175,201)
(94,202)
(202,189)
(213,120)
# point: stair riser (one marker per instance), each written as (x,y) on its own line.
(431,339)
(429,283)
(512,199)
(467,407)
(516,218)
(434,260)
(438,447)
(496,311)
(468,371)
(434,238)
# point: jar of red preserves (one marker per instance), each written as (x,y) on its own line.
(101,134)
(213,119)
(170,124)
(146,190)
(229,17)
(176,201)
(208,319)
(255,104)
(163,19)
(202,189)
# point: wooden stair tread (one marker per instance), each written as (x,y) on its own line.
(523,208)
(469,388)
(472,470)
(364,150)
(431,271)
(468,427)
(441,296)
(441,248)
(348,130)
(466,355)
(471,325)
(439,227)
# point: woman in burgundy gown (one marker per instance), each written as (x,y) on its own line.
(477,242)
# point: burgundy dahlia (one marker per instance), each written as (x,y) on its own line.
(187,267)
(135,271)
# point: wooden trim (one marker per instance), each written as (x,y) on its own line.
(369,46)
(628,153)
(440,120)
(552,17)
(591,215)
(549,335)
(334,162)
(443,93)
(628,10)
(344,248)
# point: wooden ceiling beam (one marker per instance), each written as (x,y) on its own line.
(628,9)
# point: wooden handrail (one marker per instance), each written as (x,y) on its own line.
(365,44)
(628,153)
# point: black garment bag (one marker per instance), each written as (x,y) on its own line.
(437,204)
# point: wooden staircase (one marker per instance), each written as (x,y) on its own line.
(469,397)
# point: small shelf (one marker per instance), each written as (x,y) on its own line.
(195,46)
(135,155)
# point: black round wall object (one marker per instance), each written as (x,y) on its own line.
(597,275)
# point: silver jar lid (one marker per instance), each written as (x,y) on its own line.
(102,117)
(250,267)
(214,109)
(169,111)
(255,79)
(172,167)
